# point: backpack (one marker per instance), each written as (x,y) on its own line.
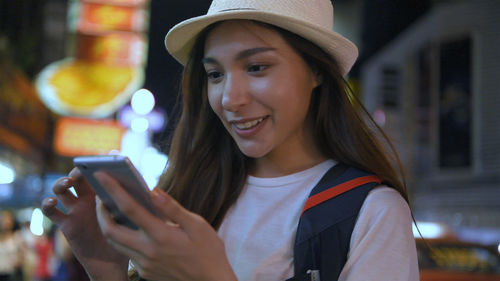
(325,226)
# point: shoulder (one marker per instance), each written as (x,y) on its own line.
(382,242)
(385,201)
(384,212)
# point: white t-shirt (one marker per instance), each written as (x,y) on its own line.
(259,231)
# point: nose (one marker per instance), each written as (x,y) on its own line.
(235,93)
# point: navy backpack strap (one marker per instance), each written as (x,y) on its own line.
(327,220)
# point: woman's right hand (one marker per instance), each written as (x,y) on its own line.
(79,226)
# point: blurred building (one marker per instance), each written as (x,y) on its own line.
(25,130)
(67,68)
(434,88)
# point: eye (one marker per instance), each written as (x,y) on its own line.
(214,76)
(257,67)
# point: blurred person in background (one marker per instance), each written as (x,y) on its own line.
(29,239)
(44,248)
(12,248)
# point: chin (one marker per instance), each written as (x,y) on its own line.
(253,155)
(253,152)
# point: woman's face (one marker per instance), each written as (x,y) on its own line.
(260,88)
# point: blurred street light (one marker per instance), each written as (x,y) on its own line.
(142,102)
(7,174)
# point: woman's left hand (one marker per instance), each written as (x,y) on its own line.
(179,246)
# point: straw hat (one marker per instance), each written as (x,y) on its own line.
(311,19)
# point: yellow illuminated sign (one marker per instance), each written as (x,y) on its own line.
(454,257)
(458,257)
(106,65)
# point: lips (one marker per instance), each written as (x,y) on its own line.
(248,124)
(248,127)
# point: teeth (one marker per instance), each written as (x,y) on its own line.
(248,125)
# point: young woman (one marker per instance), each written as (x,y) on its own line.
(267,128)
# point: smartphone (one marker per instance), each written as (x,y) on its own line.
(121,169)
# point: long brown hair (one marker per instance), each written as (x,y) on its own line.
(344,130)
(207,170)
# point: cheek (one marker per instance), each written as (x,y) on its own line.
(265,86)
(216,104)
(294,107)
(293,98)
(214,101)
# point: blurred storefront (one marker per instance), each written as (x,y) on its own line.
(434,88)
(90,87)
(71,99)
(25,124)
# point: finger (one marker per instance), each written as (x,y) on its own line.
(126,250)
(118,235)
(159,204)
(128,205)
(61,190)
(172,210)
(160,200)
(109,227)
(50,210)
(81,186)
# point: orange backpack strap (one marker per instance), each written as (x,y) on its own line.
(336,190)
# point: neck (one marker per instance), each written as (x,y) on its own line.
(281,161)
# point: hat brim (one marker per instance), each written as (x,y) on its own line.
(181,38)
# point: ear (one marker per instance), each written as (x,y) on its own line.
(317,77)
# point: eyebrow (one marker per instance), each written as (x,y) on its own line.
(241,55)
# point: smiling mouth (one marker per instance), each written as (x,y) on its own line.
(250,124)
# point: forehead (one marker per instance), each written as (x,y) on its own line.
(243,33)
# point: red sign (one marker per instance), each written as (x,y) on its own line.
(98,18)
(74,136)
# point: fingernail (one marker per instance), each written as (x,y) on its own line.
(65,182)
(159,195)
(48,205)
